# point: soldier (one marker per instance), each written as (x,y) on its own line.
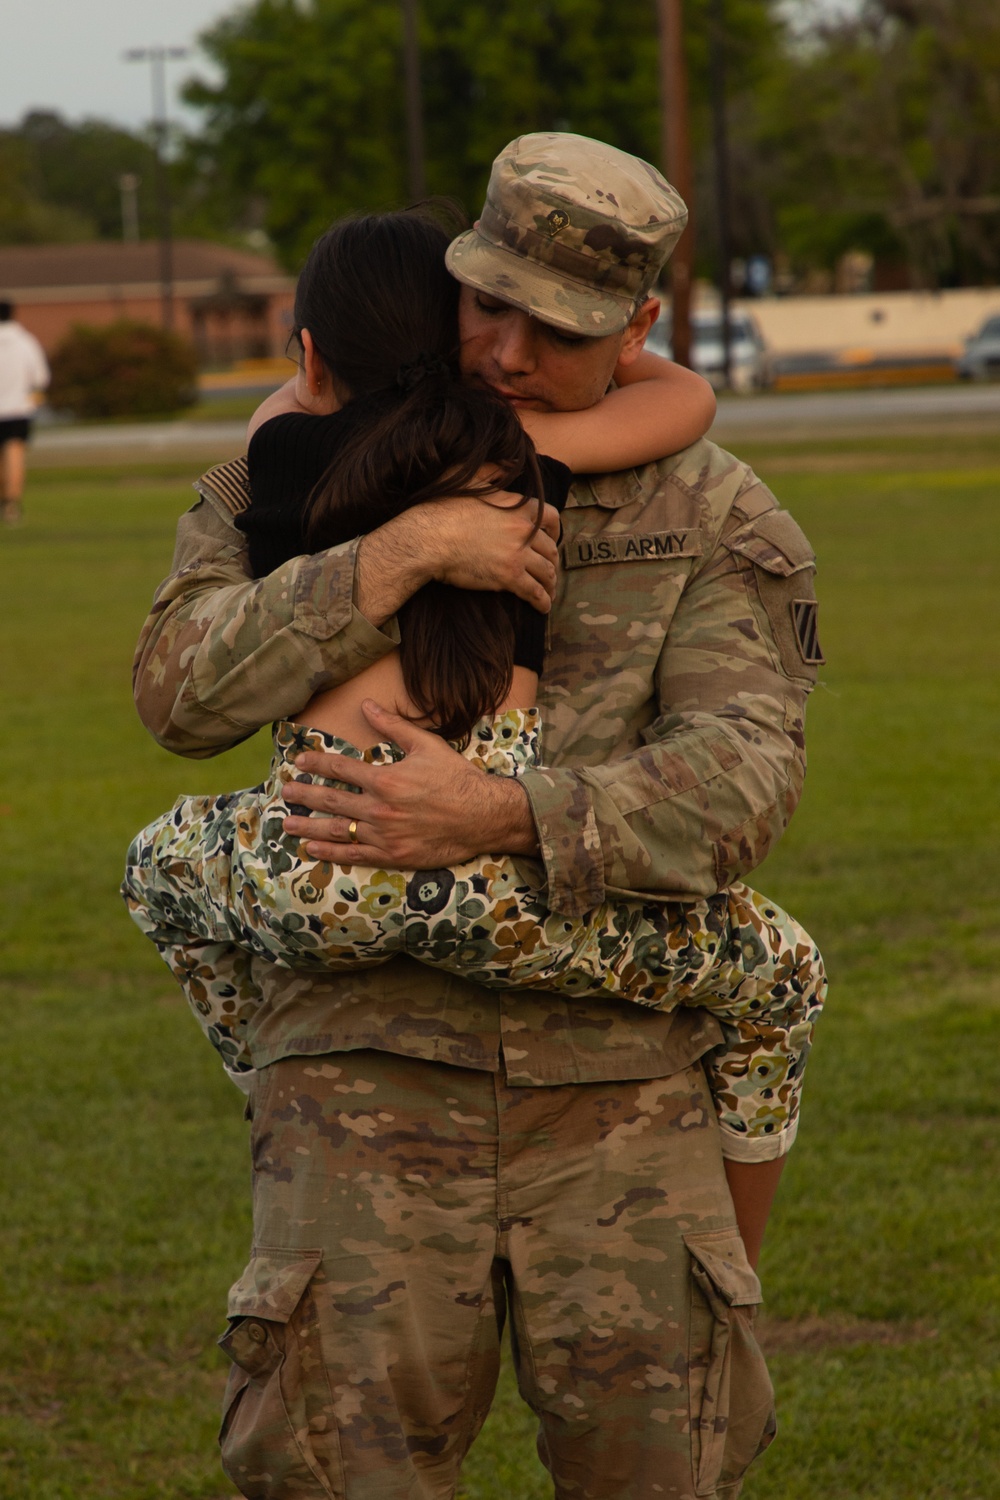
(429,1155)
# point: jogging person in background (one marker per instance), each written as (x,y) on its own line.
(431,1156)
(23,372)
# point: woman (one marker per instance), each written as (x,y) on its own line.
(387,425)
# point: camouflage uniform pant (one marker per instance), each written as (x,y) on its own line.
(403,1209)
(217,878)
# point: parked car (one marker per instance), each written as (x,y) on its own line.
(981,360)
(749,365)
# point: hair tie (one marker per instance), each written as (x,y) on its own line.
(424,367)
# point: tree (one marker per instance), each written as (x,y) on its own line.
(881,134)
(79,167)
(309,118)
(60,181)
(26,218)
(937,98)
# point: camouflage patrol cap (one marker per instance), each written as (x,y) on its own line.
(572,230)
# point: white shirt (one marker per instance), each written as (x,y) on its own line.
(23,370)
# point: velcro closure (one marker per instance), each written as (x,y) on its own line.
(272,1285)
(722,1255)
(775,542)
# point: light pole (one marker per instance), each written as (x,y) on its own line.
(717,56)
(128,184)
(414,101)
(157,57)
(676,155)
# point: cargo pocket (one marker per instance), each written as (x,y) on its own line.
(278,1436)
(732,1402)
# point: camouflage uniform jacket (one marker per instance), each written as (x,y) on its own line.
(682,647)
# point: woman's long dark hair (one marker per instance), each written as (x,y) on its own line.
(383,314)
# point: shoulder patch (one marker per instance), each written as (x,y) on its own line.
(228,485)
(805,623)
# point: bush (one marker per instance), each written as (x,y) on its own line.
(123,369)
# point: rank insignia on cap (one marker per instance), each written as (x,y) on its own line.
(556,220)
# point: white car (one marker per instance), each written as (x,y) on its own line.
(981,360)
(749,365)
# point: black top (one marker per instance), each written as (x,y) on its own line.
(288,456)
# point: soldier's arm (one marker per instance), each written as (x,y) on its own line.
(702,801)
(689,812)
(221,654)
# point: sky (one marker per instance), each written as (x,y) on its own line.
(67,54)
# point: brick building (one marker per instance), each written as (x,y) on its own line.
(232,304)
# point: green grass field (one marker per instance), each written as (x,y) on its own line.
(125,1182)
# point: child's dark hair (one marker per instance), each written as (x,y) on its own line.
(382,311)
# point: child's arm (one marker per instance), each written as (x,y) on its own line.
(285,398)
(312,390)
(658,409)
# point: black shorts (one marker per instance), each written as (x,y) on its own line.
(14,427)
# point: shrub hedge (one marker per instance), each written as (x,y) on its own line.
(124,369)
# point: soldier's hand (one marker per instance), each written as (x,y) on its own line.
(486,542)
(432,809)
(471,541)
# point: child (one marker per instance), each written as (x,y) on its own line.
(388,425)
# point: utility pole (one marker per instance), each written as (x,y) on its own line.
(128,184)
(717,65)
(414,101)
(676,155)
(157,57)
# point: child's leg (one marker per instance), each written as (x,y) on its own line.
(169,898)
(737,955)
(222,871)
(486,919)
(216,881)
(776,988)
(306,913)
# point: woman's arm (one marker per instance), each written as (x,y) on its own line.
(659,408)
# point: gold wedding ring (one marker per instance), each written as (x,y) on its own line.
(352,832)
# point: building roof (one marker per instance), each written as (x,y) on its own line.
(108,263)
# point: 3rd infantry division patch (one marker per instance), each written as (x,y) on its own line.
(805,623)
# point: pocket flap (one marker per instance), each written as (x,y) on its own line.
(775,542)
(272,1285)
(721,1255)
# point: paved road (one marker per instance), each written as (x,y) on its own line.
(850,409)
(156,438)
(787,415)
